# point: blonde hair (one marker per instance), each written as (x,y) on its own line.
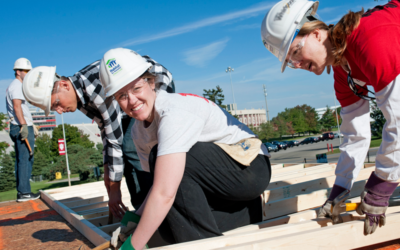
(337,34)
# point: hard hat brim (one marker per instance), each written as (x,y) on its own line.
(314,5)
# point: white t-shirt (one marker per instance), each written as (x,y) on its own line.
(14,91)
(182,120)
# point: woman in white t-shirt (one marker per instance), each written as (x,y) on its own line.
(199,190)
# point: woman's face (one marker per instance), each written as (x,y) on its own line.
(137,99)
(309,53)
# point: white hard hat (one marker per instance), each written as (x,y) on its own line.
(119,67)
(282,23)
(22,63)
(38,85)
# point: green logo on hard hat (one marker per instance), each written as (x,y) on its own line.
(113,66)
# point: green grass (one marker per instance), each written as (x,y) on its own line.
(375,142)
(35,187)
(335,151)
(64,177)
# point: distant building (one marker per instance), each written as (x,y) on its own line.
(92,130)
(321,111)
(252,116)
(47,123)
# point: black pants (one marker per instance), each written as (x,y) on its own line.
(216,194)
(138,181)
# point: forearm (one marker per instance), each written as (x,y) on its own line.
(18,111)
(156,208)
(357,136)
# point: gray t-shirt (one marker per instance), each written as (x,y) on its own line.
(180,121)
(14,91)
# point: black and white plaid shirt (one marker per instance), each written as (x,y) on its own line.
(107,113)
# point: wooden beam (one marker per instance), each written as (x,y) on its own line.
(308,186)
(347,235)
(287,169)
(92,233)
(304,170)
(276,166)
(102,220)
(85,201)
(304,173)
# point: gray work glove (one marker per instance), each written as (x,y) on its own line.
(122,233)
(24,132)
(374,202)
(325,210)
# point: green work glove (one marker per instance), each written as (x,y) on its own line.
(24,132)
(127,244)
(129,216)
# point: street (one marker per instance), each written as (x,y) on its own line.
(309,151)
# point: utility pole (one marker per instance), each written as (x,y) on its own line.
(66,152)
(337,119)
(266,104)
(229,69)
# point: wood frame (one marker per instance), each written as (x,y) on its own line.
(289,212)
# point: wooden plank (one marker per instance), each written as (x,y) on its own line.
(309,165)
(287,169)
(347,235)
(291,181)
(304,173)
(127,203)
(304,170)
(306,201)
(102,220)
(85,201)
(276,166)
(92,233)
(308,186)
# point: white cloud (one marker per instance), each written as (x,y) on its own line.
(246,13)
(200,56)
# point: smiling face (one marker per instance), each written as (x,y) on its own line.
(137,99)
(310,54)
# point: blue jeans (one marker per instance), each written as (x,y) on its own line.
(138,181)
(23,161)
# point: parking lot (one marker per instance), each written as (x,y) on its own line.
(309,151)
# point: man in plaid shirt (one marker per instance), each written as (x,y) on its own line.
(84,91)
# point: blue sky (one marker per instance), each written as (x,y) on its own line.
(195,40)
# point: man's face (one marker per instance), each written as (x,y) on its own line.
(64,99)
(22,73)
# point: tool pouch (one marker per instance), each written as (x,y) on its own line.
(244,151)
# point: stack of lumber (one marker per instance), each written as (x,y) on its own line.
(289,213)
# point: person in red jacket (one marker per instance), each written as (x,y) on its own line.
(362,49)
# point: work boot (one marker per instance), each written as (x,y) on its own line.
(27,197)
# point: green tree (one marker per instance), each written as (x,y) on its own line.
(7,175)
(215,95)
(40,163)
(310,118)
(3,118)
(280,125)
(43,144)
(327,120)
(377,125)
(73,136)
(266,131)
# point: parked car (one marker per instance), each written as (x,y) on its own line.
(328,136)
(281,145)
(309,140)
(293,143)
(271,147)
(336,135)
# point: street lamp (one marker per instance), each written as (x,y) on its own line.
(229,69)
(266,104)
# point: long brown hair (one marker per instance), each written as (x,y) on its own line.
(337,34)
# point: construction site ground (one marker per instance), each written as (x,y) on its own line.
(34,225)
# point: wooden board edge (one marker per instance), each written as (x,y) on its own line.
(91,232)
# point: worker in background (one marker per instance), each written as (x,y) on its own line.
(362,50)
(47,90)
(209,169)
(21,130)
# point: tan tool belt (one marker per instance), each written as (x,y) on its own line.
(244,151)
